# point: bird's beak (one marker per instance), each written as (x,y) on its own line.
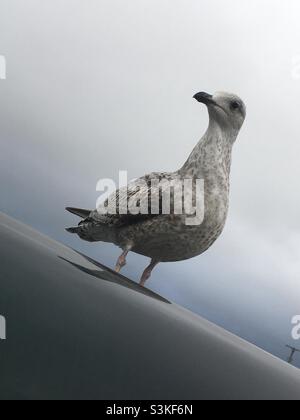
(204,98)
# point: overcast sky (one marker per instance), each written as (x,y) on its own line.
(106,85)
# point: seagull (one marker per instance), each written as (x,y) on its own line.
(168,237)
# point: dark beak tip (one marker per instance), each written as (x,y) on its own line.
(203,97)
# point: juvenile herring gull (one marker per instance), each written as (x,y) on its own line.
(168,237)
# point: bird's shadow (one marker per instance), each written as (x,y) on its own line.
(106,274)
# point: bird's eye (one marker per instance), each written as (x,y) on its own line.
(234,105)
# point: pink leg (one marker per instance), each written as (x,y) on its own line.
(147,273)
(122,260)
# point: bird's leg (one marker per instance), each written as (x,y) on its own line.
(147,273)
(122,259)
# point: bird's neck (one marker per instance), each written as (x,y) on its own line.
(212,154)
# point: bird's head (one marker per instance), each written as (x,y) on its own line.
(226,109)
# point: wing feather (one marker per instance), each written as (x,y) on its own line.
(134,203)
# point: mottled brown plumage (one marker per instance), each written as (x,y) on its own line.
(167,237)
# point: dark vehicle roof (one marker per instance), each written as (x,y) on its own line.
(77,330)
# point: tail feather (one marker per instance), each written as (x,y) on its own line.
(72,230)
(79,212)
(89,230)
